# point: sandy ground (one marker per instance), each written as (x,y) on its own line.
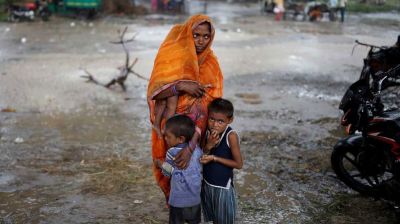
(75,152)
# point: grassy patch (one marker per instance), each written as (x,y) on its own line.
(3,13)
(3,17)
(357,6)
(113,175)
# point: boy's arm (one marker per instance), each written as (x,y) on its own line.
(237,161)
(167,167)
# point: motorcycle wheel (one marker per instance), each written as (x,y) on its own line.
(365,171)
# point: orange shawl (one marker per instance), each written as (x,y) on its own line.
(176,61)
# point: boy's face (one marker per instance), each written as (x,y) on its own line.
(171,139)
(217,122)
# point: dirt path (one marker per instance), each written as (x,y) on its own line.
(75,152)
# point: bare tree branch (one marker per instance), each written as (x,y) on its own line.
(133,63)
(125,70)
(90,77)
(139,76)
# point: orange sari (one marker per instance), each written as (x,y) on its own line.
(177,61)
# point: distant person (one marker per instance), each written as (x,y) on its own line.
(333,9)
(263,4)
(342,8)
(221,146)
(184,199)
(315,13)
(154,5)
(279,9)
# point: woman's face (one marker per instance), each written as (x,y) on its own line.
(201,36)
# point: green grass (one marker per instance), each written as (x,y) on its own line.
(356,6)
(3,14)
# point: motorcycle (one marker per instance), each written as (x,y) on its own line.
(368,159)
(28,11)
(18,13)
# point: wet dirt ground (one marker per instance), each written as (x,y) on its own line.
(75,152)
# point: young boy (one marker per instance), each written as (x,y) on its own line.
(223,155)
(184,199)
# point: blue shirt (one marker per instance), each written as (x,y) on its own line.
(185,184)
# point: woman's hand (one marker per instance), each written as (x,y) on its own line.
(192,88)
(182,159)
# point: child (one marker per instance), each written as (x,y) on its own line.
(164,108)
(184,199)
(223,154)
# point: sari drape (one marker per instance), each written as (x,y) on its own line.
(177,61)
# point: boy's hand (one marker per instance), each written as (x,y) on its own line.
(206,159)
(212,140)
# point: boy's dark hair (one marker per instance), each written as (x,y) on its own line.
(223,106)
(181,125)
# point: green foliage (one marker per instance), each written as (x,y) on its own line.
(371,6)
(3,13)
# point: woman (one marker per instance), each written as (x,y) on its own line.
(185,66)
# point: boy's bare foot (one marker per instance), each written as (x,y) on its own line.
(158,131)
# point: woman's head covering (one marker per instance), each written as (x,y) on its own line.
(177,58)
